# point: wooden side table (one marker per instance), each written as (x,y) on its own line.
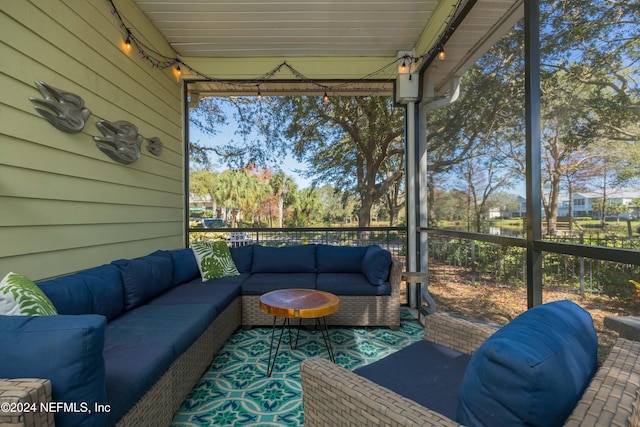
(298,304)
(422,292)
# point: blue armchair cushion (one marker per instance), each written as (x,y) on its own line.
(144,278)
(287,259)
(185,267)
(64,349)
(425,372)
(97,290)
(339,259)
(532,371)
(376,265)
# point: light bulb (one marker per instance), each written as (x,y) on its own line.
(441,54)
(325,98)
(403,67)
(127,44)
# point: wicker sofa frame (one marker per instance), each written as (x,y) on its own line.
(354,310)
(336,396)
(158,406)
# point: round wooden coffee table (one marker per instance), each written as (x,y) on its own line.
(300,304)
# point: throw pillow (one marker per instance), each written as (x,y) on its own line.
(214,260)
(19,296)
(376,265)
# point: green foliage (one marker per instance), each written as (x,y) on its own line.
(589,107)
(354,144)
(488,262)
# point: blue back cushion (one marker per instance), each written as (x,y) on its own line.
(532,371)
(185,266)
(349,284)
(64,349)
(339,259)
(242,257)
(261,283)
(286,259)
(144,278)
(376,265)
(97,290)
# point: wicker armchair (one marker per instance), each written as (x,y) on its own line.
(336,396)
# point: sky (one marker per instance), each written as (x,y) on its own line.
(289,165)
(226,133)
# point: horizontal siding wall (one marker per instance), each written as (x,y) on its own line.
(65,205)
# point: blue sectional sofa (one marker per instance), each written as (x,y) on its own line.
(132,337)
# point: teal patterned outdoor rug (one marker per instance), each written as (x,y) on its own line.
(236,391)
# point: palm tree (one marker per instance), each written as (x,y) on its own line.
(281,184)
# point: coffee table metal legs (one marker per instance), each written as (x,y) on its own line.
(271,364)
(324,330)
(320,324)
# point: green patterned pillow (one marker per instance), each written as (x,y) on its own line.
(19,296)
(214,260)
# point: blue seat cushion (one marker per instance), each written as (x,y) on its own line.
(376,265)
(133,367)
(141,344)
(261,283)
(286,259)
(144,278)
(425,372)
(219,292)
(532,371)
(339,259)
(97,290)
(68,350)
(350,284)
(242,257)
(185,266)
(175,325)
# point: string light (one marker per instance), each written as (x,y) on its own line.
(163,62)
(403,67)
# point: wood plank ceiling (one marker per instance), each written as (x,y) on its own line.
(288,28)
(327,28)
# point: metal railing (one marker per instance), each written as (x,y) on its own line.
(473,257)
(502,261)
(391,238)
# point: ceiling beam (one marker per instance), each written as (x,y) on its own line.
(316,68)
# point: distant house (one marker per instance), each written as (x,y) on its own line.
(495,213)
(522,209)
(583,203)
